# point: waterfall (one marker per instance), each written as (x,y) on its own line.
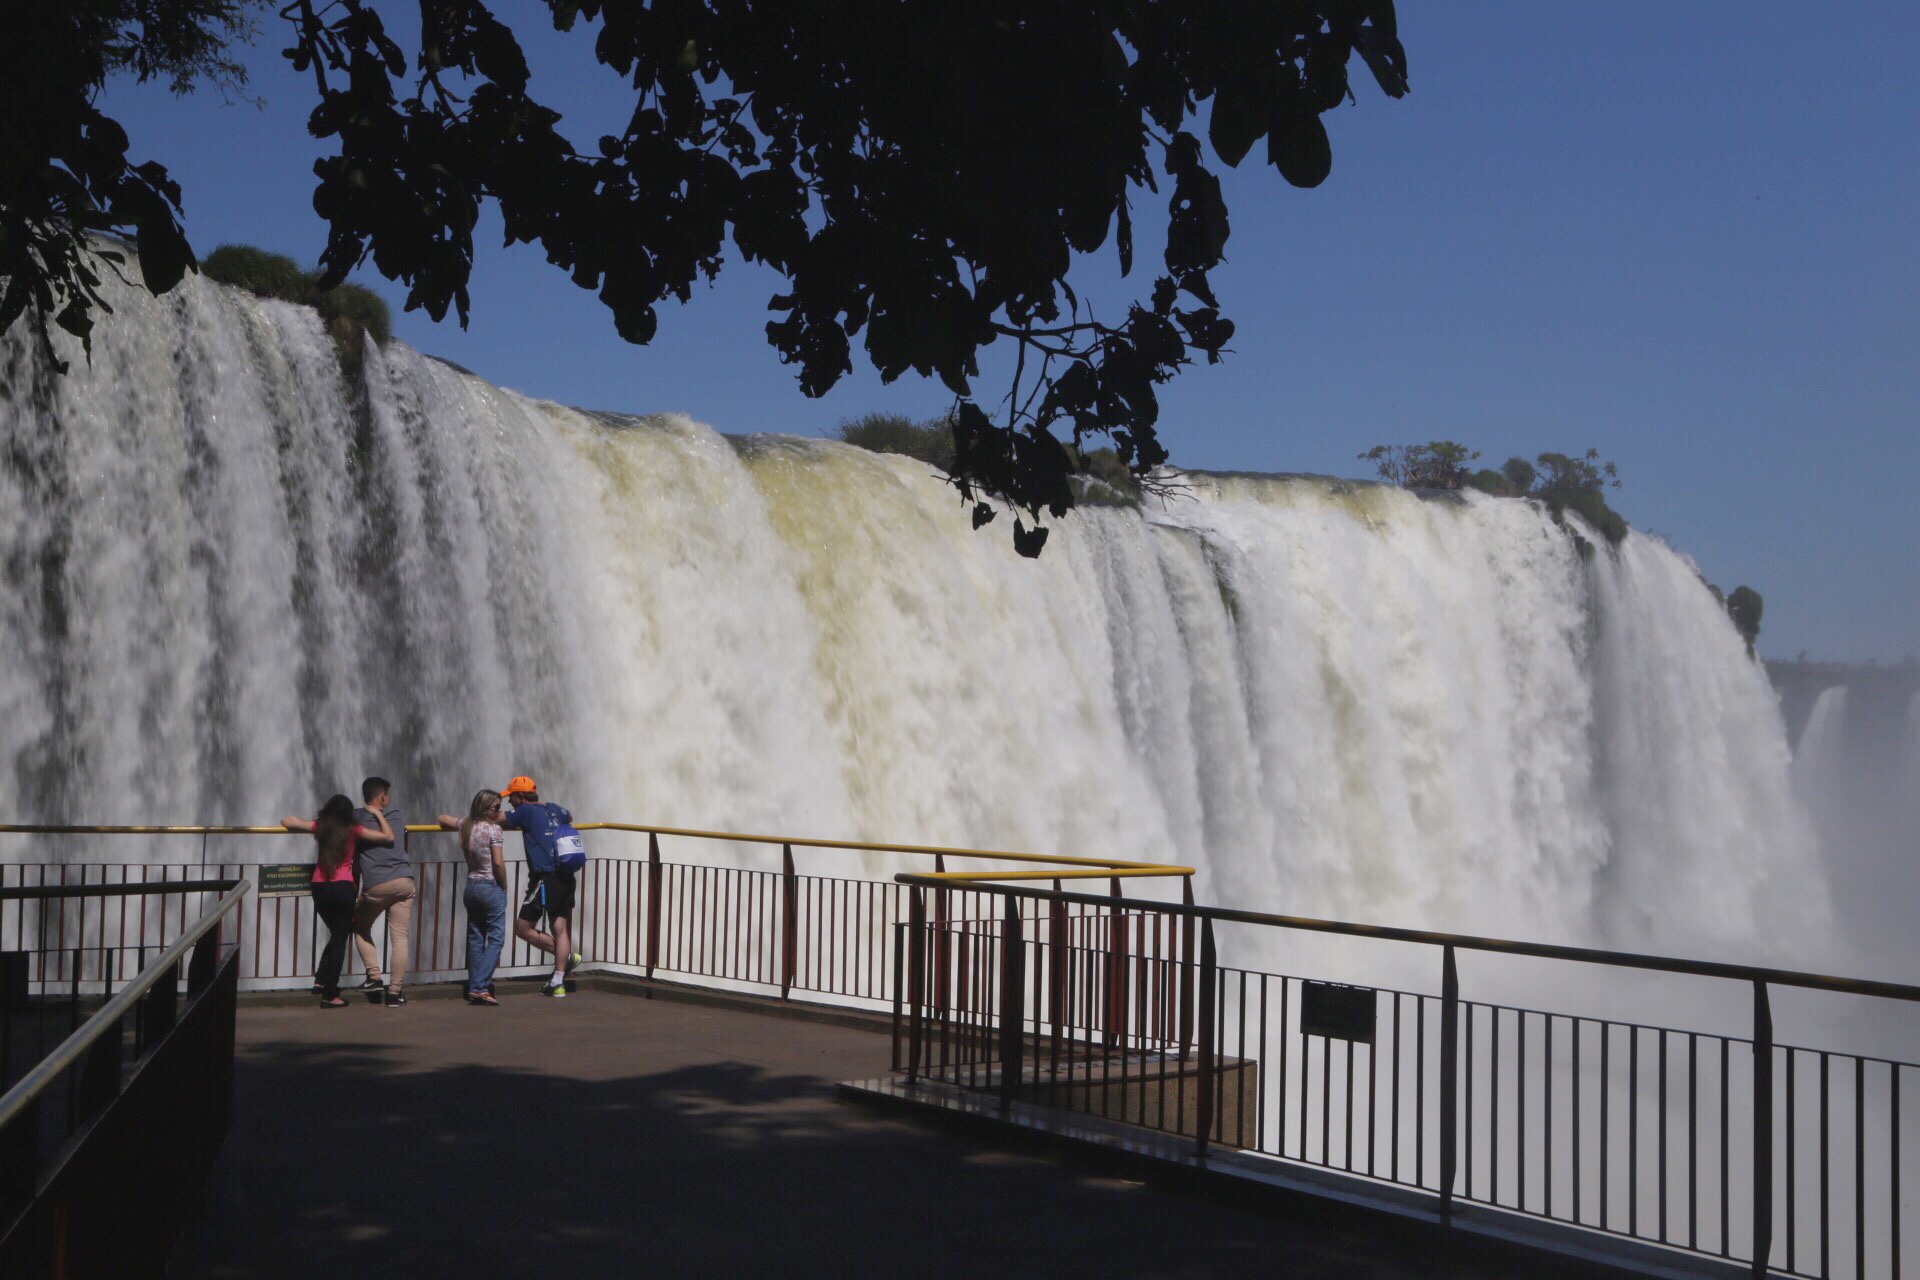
(240,578)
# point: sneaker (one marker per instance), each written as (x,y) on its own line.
(395,999)
(558,990)
(373,984)
(573,962)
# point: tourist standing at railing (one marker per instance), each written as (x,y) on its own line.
(549,885)
(386,888)
(483,846)
(338,839)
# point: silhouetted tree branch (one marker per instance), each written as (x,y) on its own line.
(921,175)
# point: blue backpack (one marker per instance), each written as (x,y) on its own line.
(569,850)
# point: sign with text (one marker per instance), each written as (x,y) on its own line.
(278,879)
(1337,1011)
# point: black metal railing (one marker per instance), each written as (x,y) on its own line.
(1779,1157)
(108,1133)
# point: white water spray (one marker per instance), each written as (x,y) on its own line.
(239,581)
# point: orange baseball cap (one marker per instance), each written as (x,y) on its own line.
(521,783)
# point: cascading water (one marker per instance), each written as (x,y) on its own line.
(239,580)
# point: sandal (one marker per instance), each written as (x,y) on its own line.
(482,998)
(335,1003)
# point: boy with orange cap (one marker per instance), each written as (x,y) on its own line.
(549,885)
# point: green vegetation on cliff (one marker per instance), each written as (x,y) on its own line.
(1100,478)
(1561,482)
(347,310)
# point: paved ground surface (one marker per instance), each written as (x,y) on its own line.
(612,1136)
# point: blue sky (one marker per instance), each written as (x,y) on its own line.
(1687,235)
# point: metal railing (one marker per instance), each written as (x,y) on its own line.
(1784,1156)
(106,1140)
(755,926)
(1777,1156)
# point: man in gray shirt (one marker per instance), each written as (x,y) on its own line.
(386,888)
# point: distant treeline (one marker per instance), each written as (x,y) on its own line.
(1561,482)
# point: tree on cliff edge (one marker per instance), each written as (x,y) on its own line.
(922,176)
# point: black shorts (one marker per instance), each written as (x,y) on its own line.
(549,894)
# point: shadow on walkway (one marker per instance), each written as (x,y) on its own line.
(612,1136)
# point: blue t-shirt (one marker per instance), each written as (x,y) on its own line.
(538,824)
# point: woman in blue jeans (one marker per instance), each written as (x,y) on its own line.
(481,844)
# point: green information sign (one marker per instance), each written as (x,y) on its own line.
(277,879)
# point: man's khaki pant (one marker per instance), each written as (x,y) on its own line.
(394,898)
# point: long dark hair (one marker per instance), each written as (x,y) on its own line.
(334,830)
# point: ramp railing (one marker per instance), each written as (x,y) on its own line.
(107,1135)
(1782,1158)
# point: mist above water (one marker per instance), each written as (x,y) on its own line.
(239,581)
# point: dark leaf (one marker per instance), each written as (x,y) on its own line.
(1297,146)
(74,319)
(1240,113)
(1385,58)
(164,254)
(983,514)
(1029,542)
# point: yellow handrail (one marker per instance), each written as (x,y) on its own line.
(1080,868)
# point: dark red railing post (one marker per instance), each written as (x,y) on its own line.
(654,880)
(940,940)
(1013,1018)
(1209,1000)
(1449,1067)
(789,921)
(1763,1131)
(1058,926)
(1116,1019)
(1186,970)
(916,978)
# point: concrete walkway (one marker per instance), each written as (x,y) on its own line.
(612,1136)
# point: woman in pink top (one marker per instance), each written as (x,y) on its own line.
(338,838)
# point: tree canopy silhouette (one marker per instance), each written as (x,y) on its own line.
(921,175)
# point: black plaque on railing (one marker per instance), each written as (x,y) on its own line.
(1337,1011)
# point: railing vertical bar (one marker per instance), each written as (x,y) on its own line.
(1893,1164)
(1012,991)
(1260,1052)
(1493,1109)
(1577,1113)
(1633,1129)
(1449,1100)
(916,978)
(1420,1091)
(1726,1215)
(1859,1166)
(789,920)
(1393,1138)
(1546,1121)
(1467,1125)
(1346,1136)
(1662,1097)
(1792,1128)
(1763,1135)
(1209,1000)
(1826,1218)
(1693,1141)
(1520,1111)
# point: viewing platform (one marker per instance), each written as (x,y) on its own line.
(935,1072)
(694,1140)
